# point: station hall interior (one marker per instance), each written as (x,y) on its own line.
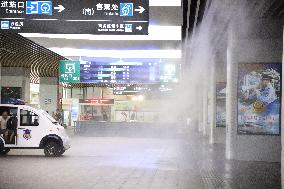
(196,103)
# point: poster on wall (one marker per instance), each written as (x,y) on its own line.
(259,98)
(74,111)
(10,95)
(221,104)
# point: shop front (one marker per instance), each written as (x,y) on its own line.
(95,109)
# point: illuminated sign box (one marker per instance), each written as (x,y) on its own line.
(169,73)
(131,90)
(69,71)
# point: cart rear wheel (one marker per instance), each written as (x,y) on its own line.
(4,151)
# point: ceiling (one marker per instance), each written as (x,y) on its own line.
(165,37)
(17,51)
(32,50)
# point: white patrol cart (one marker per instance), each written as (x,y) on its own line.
(35,129)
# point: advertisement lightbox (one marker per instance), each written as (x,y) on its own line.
(221,104)
(259,98)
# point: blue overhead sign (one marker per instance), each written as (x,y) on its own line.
(118,72)
(39,7)
(113,17)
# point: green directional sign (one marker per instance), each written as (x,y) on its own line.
(69,71)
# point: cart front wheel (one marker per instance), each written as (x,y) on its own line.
(51,149)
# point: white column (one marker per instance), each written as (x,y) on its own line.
(217,134)
(256,46)
(212,102)
(48,88)
(205,105)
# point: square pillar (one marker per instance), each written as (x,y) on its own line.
(260,43)
(218,77)
(48,94)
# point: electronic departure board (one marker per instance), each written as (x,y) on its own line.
(120,72)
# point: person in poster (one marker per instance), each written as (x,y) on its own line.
(259,94)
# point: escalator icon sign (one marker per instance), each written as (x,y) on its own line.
(39,7)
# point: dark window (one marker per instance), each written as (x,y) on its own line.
(9,95)
(28,118)
(10,110)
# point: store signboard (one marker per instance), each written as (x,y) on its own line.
(259,98)
(127,90)
(69,71)
(95,101)
(124,90)
(113,17)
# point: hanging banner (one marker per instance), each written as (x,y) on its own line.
(259,98)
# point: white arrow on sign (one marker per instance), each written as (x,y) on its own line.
(139,28)
(31,7)
(140,10)
(60,8)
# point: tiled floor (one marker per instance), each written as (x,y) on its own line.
(136,163)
